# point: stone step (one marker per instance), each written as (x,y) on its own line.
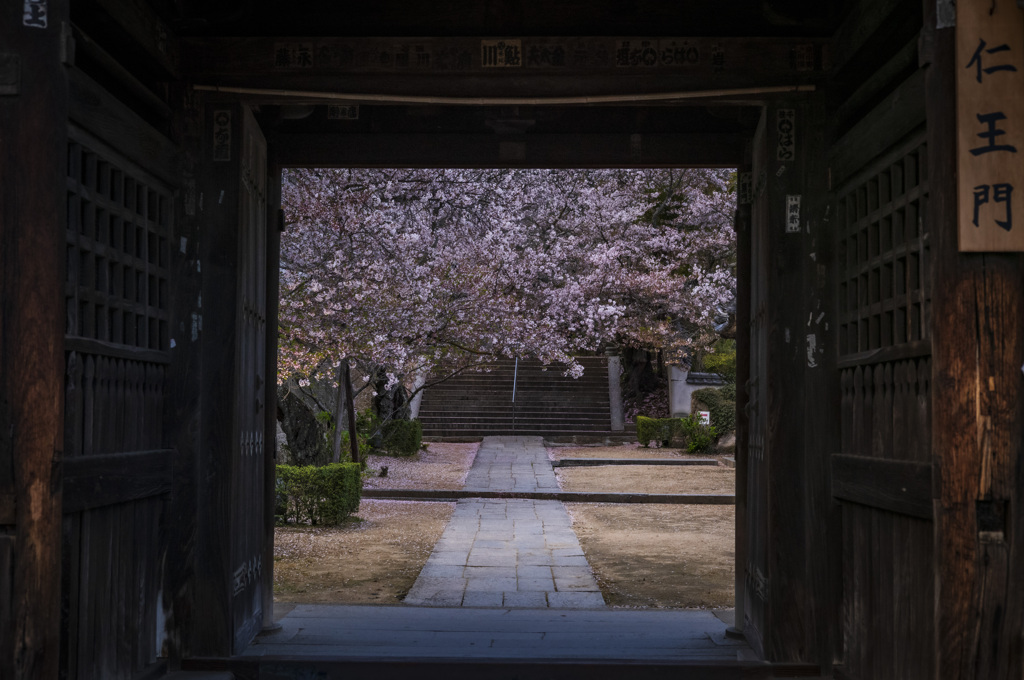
(491,431)
(508,420)
(521,395)
(525,412)
(569,404)
(521,384)
(547,403)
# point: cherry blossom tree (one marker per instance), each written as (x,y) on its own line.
(415,272)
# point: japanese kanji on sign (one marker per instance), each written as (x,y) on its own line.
(990,122)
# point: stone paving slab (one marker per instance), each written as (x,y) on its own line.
(508,552)
(523,554)
(511,464)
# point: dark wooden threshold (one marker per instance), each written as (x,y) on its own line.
(902,487)
(331,668)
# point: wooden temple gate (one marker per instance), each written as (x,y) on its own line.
(881,396)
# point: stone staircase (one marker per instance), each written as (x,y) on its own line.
(474,405)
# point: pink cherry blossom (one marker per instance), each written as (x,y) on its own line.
(434,271)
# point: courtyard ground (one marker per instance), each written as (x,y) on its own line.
(643,555)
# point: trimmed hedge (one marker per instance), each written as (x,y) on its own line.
(655,429)
(688,432)
(402,437)
(318,495)
(721,401)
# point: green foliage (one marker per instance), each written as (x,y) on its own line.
(723,360)
(318,495)
(697,438)
(366,423)
(654,429)
(688,431)
(402,437)
(721,401)
(364,446)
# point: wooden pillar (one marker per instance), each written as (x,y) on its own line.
(231,527)
(218,195)
(184,416)
(978,413)
(275,224)
(799,386)
(33,166)
(743,263)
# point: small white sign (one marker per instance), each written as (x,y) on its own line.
(343,112)
(705,417)
(793,214)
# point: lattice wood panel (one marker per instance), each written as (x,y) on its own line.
(884,256)
(118,251)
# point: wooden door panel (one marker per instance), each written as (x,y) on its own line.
(247,533)
(116,461)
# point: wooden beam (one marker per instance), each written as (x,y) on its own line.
(868,32)
(490,150)
(98,113)
(548,66)
(140,24)
(899,114)
(96,481)
(893,485)
(33,163)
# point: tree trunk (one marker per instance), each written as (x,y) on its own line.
(307,441)
(339,410)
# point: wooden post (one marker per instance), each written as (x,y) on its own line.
(978,413)
(275,225)
(183,418)
(797,407)
(33,166)
(352,441)
(743,256)
(339,410)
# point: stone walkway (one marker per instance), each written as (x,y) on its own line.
(508,553)
(511,464)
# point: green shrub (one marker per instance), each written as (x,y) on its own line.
(319,495)
(721,401)
(697,438)
(654,429)
(402,437)
(364,446)
(686,432)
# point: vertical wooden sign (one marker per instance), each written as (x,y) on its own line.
(990,125)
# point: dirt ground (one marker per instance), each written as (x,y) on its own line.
(703,479)
(373,558)
(623,451)
(441,466)
(659,555)
(643,555)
